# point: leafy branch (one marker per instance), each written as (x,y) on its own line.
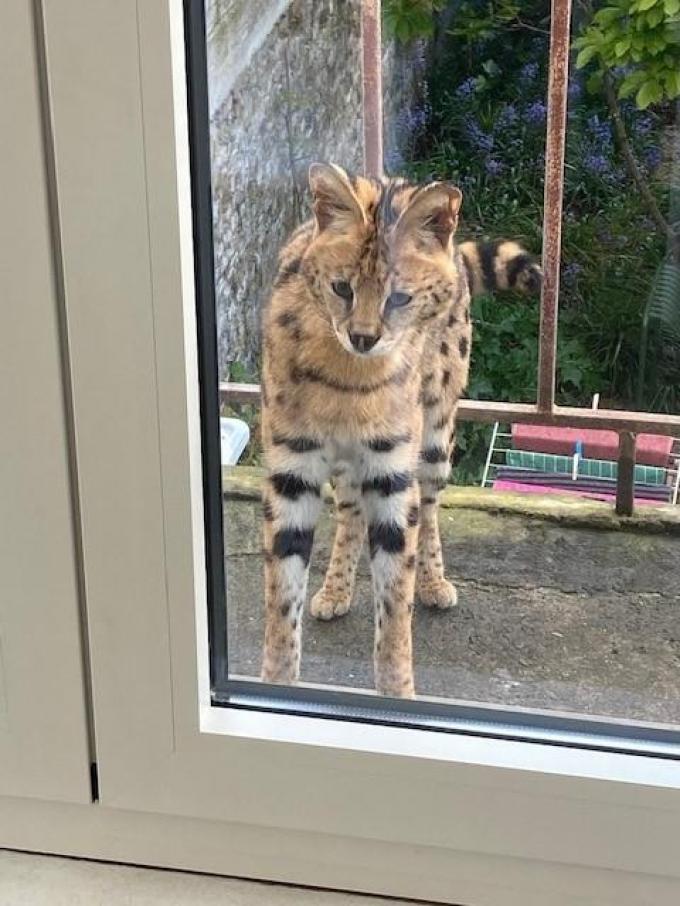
(641,40)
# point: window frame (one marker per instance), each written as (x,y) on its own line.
(436,715)
(182,782)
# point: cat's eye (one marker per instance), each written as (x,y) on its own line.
(397,300)
(343,289)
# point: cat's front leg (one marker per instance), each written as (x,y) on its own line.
(391,502)
(334,598)
(292,502)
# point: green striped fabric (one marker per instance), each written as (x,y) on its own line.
(593,468)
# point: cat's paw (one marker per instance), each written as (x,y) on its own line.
(327,604)
(439,595)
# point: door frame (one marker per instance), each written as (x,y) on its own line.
(44,733)
(301,799)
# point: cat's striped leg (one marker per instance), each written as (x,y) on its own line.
(391,506)
(334,598)
(432,587)
(292,502)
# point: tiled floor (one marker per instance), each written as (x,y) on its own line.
(30,880)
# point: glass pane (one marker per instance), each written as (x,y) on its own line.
(620,296)
(362,333)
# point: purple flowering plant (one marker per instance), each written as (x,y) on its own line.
(487,133)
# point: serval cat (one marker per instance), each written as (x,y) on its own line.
(366,350)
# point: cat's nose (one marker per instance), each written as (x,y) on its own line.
(363,342)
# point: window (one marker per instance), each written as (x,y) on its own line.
(311,784)
(569,613)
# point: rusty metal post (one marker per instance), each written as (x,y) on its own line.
(552,199)
(371,62)
(625,481)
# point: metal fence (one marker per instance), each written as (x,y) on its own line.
(545,411)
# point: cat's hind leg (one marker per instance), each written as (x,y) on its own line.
(334,598)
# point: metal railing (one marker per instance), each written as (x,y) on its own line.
(545,411)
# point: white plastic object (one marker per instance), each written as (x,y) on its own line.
(234,437)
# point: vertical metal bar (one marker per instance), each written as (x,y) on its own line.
(371,60)
(552,199)
(625,482)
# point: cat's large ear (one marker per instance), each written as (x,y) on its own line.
(334,200)
(433,212)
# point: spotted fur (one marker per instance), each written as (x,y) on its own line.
(366,351)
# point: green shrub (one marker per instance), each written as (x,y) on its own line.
(487,88)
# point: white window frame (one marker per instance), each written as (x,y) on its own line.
(306,800)
(44,736)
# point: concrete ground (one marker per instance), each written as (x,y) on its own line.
(33,880)
(553,612)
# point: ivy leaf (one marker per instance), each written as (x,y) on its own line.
(655,17)
(649,93)
(672,81)
(610,14)
(630,84)
(585,56)
(645,4)
(671,7)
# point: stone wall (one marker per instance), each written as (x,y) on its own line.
(285,90)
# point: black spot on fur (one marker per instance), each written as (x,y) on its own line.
(444,348)
(268,511)
(452,319)
(411,562)
(287,271)
(387,608)
(285,608)
(487,256)
(345,505)
(463,346)
(385,485)
(516,266)
(386,536)
(434,455)
(291,486)
(297,444)
(293,542)
(428,500)
(287,319)
(316,376)
(413,514)
(386,444)
(467,315)
(442,423)
(446,377)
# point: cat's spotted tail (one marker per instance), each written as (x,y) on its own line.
(501,264)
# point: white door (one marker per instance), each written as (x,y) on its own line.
(44,749)
(406,811)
